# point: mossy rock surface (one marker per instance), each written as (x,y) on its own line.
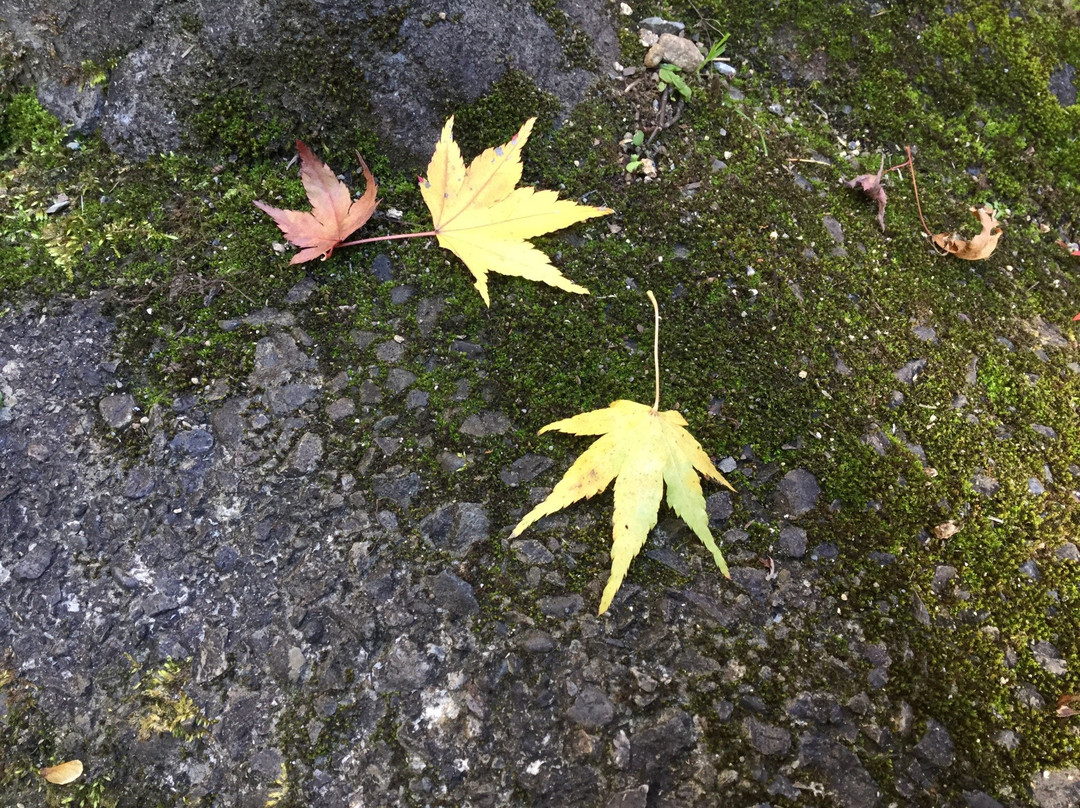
(297,483)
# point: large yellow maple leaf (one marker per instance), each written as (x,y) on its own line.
(643,450)
(485,221)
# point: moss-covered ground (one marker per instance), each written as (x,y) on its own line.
(759,305)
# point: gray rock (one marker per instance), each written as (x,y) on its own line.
(485,424)
(390,352)
(910,372)
(1068,552)
(792,542)
(401,294)
(192,442)
(536,641)
(561,606)
(654,750)
(1063,85)
(719,508)
(942,575)
(382,268)
(211,661)
(525,469)
(1045,431)
(924,333)
(851,784)
(305,456)
(453,594)
(290,397)
(985,484)
(592,708)
(139,483)
(455,528)
(117,410)
(300,292)
(417,399)
(399,487)
(768,739)
(1056,788)
(276,359)
(674,50)
(980,799)
(1049,658)
(796,495)
(264,317)
(369,393)
(935,747)
(530,551)
(399,380)
(36,561)
(833,227)
(342,408)
(470,349)
(227,423)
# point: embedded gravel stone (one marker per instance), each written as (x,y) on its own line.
(456,527)
(38,559)
(117,410)
(768,739)
(797,494)
(654,749)
(192,442)
(485,424)
(591,708)
(935,747)
(342,408)
(390,352)
(398,380)
(792,542)
(525,469)
(851,784)
(306,455)
(910,372)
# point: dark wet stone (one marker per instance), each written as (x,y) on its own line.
(658,25)
(851,784)
(536,641)
(399,379)
(877,440)
(290,397)
(591,708)
(276,359)
(653,750)
(470,349)
(428,311)
(450,462)
(139,483)
(1029,696)
(417,399)
(192,442)
(342,408)
(525,469)
(719,507)
(630,798)
(301,291)
(382,268)
(792,542)
(227,423)
(211,662)
(833,227)
(781,786)
(530,551)
(456,527)
(408,668)
(37,559)
(753,581)
(670,559)
(390,352)
(797,494)
(561,605)
(1063,86)
(306,455)
(936,746)
(485,424)
(117,410)
(453,594)
(369,393)
(768,739)
(399,489)
(1031,570)
(285,319)
(980,799)
(225,559)
(942,575)
(362,339)
(910,372)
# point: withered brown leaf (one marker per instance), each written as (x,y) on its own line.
(981,246)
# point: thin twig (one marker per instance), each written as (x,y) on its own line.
(915,185)
(807,160)
(660,116)
(656,348)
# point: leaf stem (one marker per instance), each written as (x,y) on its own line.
(385,238)
(656,348)
(910,165)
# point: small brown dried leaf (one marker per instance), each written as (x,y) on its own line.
(1063,708)
(946,530)
(979,247)
(63,773)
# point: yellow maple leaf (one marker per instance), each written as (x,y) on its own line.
(481,218)
(643,450)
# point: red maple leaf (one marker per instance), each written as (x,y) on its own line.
(333,217)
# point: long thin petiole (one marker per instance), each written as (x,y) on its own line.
(656,348)
(386,238)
